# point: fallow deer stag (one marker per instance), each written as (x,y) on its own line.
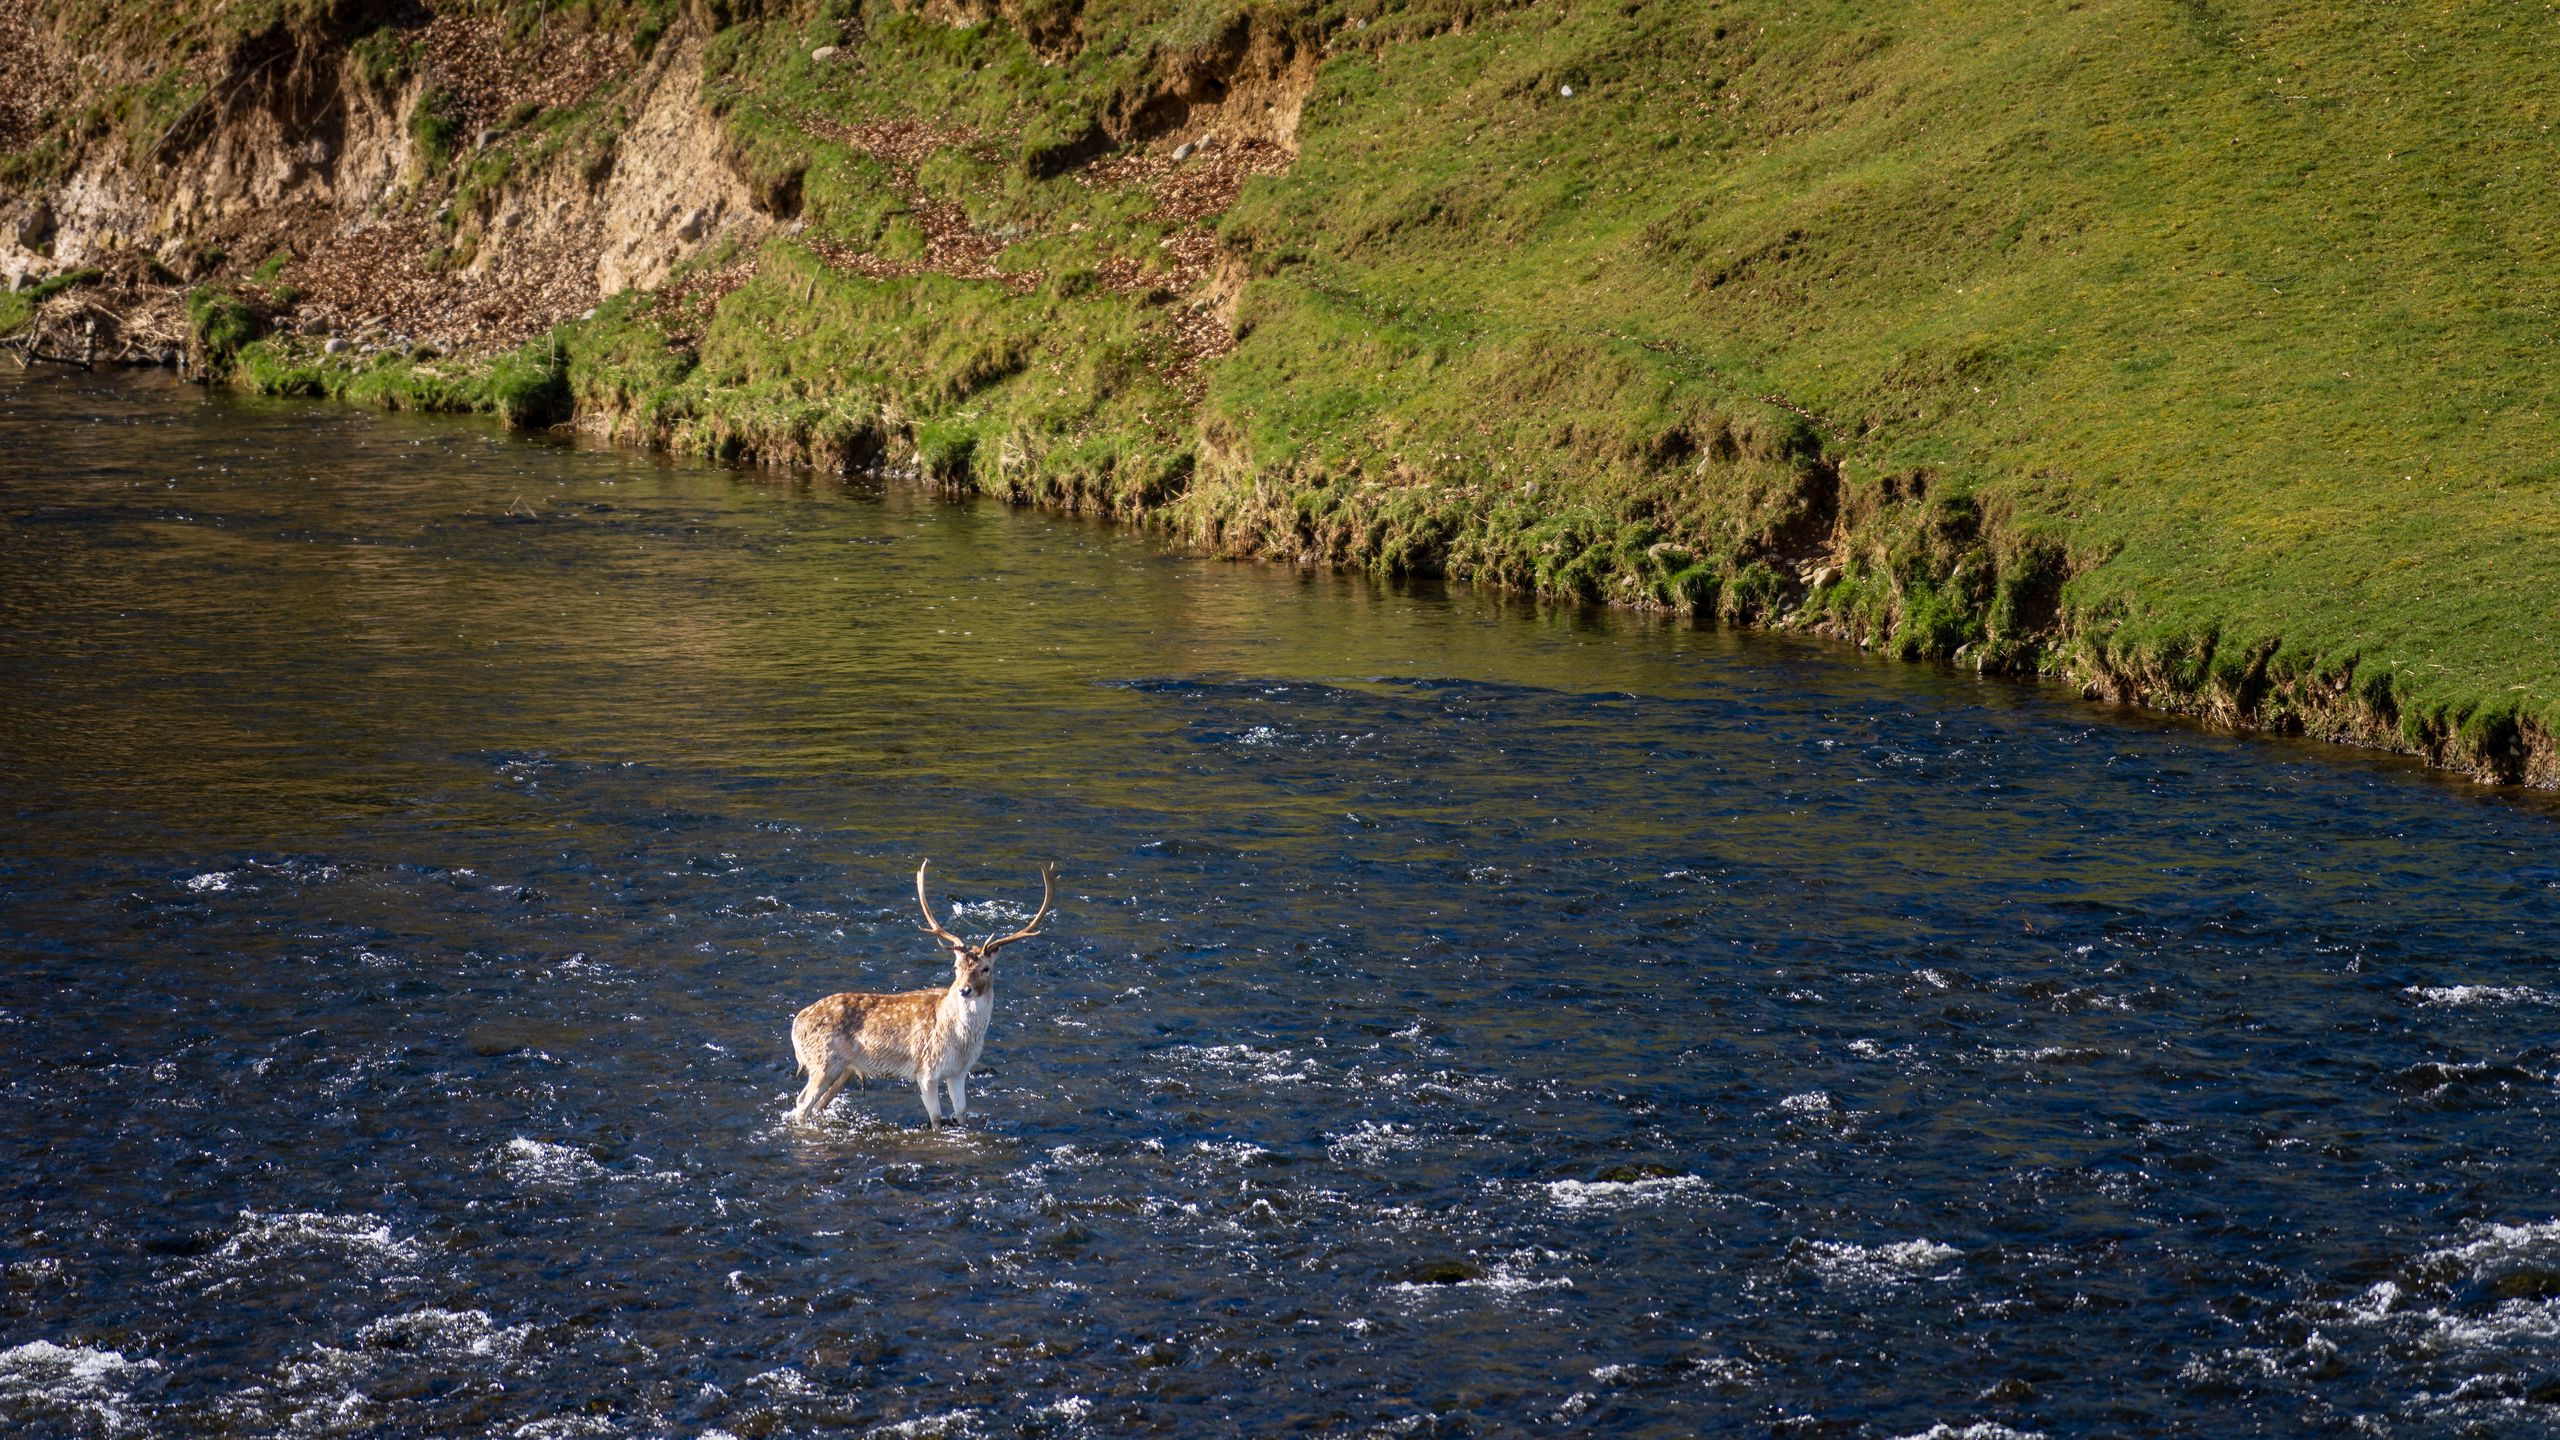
(930,1037)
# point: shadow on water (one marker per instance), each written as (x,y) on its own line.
(1463,1018)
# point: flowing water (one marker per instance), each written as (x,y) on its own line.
(1458,1020)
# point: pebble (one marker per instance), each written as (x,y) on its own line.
(823,54)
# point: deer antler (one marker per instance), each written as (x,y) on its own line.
(1048,873)
(930,924)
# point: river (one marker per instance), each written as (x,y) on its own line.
(1460,1018)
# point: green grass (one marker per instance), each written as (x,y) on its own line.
(2245,313)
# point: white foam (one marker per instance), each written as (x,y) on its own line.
(1505,1282)
(2374,1304)
(1978,1430)
(263,1239)
(2513,1320)
(1725,1370)
(451,1333)
(564,1427)
(95,1385)
(211,882)
(1506,1278)
(991,912)
(1622,1194)
(2494,1251)
(2042,1053)
(931,1427)
(1880,1264)
(1372,1141)
(1233,1152)
(1811,1102)
(345,1411)
(538,1162)
(1267,1067)
(2477,995)
(784,1381)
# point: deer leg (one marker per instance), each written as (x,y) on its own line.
(821,1091)
(835,1087)
(932,1108)
(810,1094)
(959,1099)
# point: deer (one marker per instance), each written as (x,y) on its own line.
(930,1037)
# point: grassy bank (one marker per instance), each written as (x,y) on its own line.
(2199,355)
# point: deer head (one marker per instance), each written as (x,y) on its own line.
(973,966)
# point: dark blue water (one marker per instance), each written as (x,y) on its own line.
(1459,1020)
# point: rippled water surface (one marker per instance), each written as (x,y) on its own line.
(1458,1021)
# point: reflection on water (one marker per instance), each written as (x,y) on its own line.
(1461,1020)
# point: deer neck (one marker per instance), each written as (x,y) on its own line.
(967,1014)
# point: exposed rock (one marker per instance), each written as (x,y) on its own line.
(1183,151)
(823,54)
(336,345)
(690,228)
(35,224)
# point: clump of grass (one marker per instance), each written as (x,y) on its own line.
(435,129)
(223,326)
(385,57)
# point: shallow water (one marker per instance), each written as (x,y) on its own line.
(1460,1019)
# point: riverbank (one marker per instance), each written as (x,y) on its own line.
(2194,361)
